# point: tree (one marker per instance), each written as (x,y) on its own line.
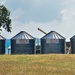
(5,21)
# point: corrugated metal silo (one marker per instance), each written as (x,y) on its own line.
(2,45)
(72,42)
(22,43)
(52,43)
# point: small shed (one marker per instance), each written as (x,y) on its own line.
(22,43)
(52,42)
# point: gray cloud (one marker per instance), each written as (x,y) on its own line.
(36,10)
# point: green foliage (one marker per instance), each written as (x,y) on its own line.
(5,21)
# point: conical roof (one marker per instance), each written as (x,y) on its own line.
(1,37)
(23,35)
(73,37)
(53,35)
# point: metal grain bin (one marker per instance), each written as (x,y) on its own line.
(2,45)
(52,43)
(72,42)
(22,43)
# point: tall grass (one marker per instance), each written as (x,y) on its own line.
(48,64)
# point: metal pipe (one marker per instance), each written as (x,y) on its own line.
(42,31)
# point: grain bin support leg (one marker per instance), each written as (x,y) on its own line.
(34,49)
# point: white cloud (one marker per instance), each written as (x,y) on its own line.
(3,2)
(17,14)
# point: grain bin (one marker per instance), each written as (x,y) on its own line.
(22,43)
(52,43)
(2,45)
(72,42)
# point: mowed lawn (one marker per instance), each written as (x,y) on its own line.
(45,64)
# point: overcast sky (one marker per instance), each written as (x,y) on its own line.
(49,15)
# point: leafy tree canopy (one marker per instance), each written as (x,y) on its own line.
(5,21)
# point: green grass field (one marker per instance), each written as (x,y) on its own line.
(49,64)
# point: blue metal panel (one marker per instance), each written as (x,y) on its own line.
(72,46)
(52,47)
(22,48)
(2,46)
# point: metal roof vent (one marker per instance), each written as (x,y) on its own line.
(53,35)
(23,35)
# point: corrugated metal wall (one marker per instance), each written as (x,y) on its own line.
(52,47)
(2,46)
(72,46)
(22,48)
